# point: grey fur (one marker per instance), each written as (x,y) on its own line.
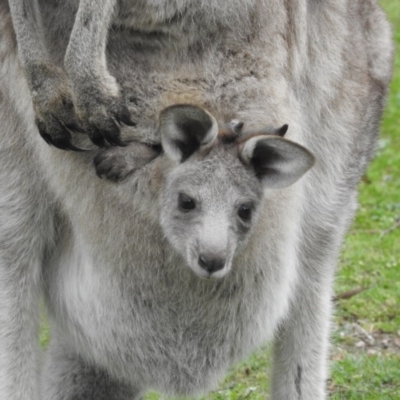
(127,311)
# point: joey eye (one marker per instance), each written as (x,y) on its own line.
(186,203)
(245,211)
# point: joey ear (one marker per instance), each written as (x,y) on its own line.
(282,130)
(185,129)
(269,130)
(277,162)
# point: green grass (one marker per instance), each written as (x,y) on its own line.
(366,377)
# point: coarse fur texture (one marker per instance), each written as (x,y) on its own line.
(128,309)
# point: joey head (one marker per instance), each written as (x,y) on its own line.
(215,182)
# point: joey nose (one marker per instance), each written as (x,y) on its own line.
(211,263)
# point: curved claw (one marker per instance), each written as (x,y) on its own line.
(46,137)
(106,135)
(121,114)
(98,141)
(104,139)
(62,143)
(128,121)
(75,126)
(116,141)
(65,144)
(125,118)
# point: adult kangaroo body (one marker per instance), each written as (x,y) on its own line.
(127,314)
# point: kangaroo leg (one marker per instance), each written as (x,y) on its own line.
(26,234)
(67,377)
(302,344)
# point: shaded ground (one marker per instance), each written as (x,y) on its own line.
(353,338)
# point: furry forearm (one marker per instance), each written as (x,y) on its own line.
(28,27)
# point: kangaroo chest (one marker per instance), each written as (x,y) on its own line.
(150,14)
(176,336)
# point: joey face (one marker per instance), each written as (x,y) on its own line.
(209,207)
(215,189)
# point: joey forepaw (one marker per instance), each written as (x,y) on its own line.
(117,163)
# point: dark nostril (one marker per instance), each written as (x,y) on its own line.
(211,264)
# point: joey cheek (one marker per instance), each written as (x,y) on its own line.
(243,229)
